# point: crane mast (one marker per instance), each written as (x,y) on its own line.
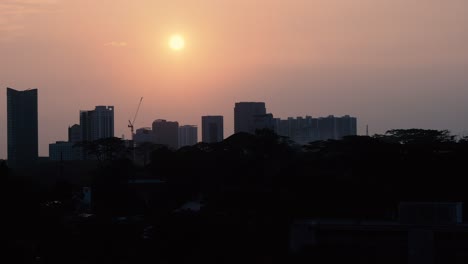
(132,123)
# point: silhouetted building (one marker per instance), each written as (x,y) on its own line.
(86,124)
(97,123)
(425,233)
(265,121)
(301,129)
(212,129)
(244,116)
(62,150)
(166,133)
(22,131)
(188,135)
(74,133)
(304,130)
(346,126)
(144,134)
(327,127)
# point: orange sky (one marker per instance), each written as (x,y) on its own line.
(391,63)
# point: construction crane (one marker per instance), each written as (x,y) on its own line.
(131,123)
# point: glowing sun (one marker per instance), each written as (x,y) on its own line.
(176,42)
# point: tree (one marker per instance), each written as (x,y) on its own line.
(418,136)
(105,149)
(144,149)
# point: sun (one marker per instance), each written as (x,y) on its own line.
(176,42)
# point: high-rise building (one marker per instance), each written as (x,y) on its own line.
(304,130)
(244,116)
(346,126)
(144,134)
(74,133)
(265,121)
(86,125)
(166,133)
(327,127)
(97,123)
(62,150)
(212,129)
(22,122)
(188,135)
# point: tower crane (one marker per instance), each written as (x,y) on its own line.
(131,123)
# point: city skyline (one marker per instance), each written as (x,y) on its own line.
(392,63)
(245,131)
(259,120)
(99,124)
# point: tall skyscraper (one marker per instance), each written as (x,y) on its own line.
(188,135)
(166,133)
(86,124)
(244,116)
(97,123)
(22,127)
(212,129)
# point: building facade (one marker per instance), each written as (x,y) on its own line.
(265,121)
(98,123)
(212,129)
(74,133)
(22,131)
(244,116)
(62,150)
(166,133)
(303,130)
(188,135)
(144,134)
(346,126)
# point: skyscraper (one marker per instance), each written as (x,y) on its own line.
(304,130)
(166,133)
(22,127)
(188,135)
(346,126)
(263,121)
(212,129)
(244,116)
(97,123)
(327,127)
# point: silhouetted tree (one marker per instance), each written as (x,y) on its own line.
(144,151)
(418,136)
(105,149)
(463,140)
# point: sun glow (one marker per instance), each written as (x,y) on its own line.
(176,42)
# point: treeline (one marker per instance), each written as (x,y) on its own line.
(358,176)
(248,189)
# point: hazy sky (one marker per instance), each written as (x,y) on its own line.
(391,63)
